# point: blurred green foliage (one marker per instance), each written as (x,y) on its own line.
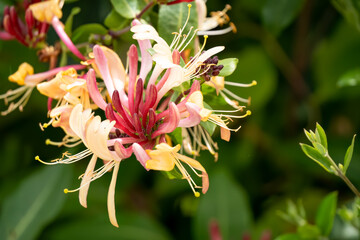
(305,57)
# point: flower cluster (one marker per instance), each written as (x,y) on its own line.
(158,93)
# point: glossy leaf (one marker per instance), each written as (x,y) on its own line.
(278,14)
(34,203)
(173,17)
(348,155)
(82,33)
(326,213)
(350,78)
(322,135)
(115,21)
(230,65)
(227,203)
(70,19)
(128,8)
(316,156)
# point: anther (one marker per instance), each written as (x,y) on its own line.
(47,141)
(66,190)
(197,194)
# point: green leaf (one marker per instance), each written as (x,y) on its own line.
(350,78)
(291,236)
(348,155)
(82,33)
(128,8)
(308,231)
(322,135)
(326,213)
(278,14)
(309,136)
(350,9)
(115,21)
(208,126)
(230,65)
(131,226)
(176,136)
(320,148)
(226,202)
(70,19)
(34,203)
(316,156)
(173,17)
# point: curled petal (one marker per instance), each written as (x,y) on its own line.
(194,117)
(94,90)
(102,64)
(111,196)
(205,182)
(85,182)
(170,122)
(121,151)
(225,134)
(146,60)
(116,68)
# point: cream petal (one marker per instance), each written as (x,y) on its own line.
(96,136)
(86,180)
(111,196)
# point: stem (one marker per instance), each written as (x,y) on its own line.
(147,7)
(340,174)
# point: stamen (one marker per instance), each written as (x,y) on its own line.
(253,83)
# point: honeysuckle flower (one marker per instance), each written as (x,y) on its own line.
(165,158)
(141,111)
(50,12)
(26,78)
(29,33)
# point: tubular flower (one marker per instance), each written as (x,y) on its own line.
(143,107)
(26,78)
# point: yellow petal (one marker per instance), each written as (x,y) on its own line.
(160,160)
(46,11)
(24,70)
